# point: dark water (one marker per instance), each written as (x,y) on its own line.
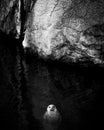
(8,83)
(29,84)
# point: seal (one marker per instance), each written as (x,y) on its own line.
(52,118)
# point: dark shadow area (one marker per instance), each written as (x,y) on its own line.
(8,83)
(15,109)
(28,84)
(76,90)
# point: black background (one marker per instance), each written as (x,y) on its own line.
(28,84)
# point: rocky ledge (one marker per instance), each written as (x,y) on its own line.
(67,29)
(72,30)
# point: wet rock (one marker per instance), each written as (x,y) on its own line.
(10,22)
(58,30)
(65,29)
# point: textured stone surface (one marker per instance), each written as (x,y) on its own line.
(10,17)
(58,29)
(67,29)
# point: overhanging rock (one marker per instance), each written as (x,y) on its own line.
(68,29)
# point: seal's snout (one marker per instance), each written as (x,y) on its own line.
(52,107)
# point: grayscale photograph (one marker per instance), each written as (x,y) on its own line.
(51,64)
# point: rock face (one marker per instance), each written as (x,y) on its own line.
(59,29)
(67,29)
(10,22)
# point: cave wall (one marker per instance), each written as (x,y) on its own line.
(68,30)
(13,14)
(10,17)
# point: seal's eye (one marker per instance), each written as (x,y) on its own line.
(49,106)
